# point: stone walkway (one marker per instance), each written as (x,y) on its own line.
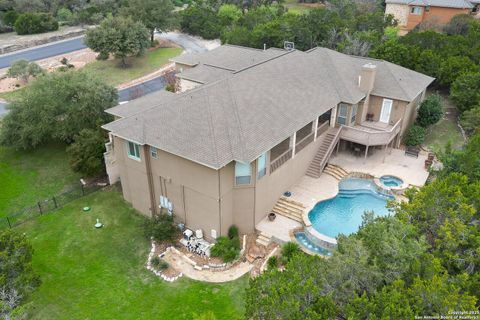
(180,264)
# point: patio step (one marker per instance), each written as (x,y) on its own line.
(323,153)
(335,171)
(263,239)
(289,208)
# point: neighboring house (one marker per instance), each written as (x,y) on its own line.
(249,124)
(409,13)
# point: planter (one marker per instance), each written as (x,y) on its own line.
(271,216)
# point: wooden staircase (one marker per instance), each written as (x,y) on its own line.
(323,153)
(335,171)
(289,208)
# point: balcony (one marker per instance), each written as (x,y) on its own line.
(371,133)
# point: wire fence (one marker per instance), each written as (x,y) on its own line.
(51,204)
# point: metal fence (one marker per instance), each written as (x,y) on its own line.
(51,204)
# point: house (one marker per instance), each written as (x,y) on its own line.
(410,13)
(248,124)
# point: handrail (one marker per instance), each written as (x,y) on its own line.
(330,148)
(355,134)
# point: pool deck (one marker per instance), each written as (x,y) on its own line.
(279,228)
(409,169)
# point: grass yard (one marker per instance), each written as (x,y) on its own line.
(446,130)
(90,273)
(112,73)
(300,8)
(29,176)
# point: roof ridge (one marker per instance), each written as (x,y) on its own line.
(264,61)
(210,125)
(236,117)
(242,47)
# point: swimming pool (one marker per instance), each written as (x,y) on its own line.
(343,213)
(303,239)
(391,181)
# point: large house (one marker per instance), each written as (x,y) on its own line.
(250,123)
(410,13)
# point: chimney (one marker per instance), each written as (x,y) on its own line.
(366,79)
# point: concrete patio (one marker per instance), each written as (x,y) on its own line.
(396,163)
(278,228)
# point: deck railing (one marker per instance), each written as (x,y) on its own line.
(280,160)
(304,142)
(369,137)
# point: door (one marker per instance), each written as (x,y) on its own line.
(386,110)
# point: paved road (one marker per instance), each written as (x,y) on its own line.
(42,52)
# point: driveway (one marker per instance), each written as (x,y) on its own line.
(43,51)
(189,43)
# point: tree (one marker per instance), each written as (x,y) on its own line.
(161,227)
(229,14)
(415,136)
(466,162)
(465,90)
(154,14)
(200,19)
(470,120)
(396,52)
(430,111)
(86,153)
(453,67)
(119,36)
(22,69)
(459,24)
(31,23)
(57,107)
(17,277)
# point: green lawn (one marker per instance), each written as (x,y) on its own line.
(446,130)
(114,74)
(29,176)
(90,273)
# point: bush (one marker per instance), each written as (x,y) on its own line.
(289,250)
(465,91)
(86,153)
(10,18)
(233,232)
(226,248)
(470,120)
(415,136)
(163,265)
(65,16)
(31,23)
(430,111)
(272,262)
(155,262)
(22,69)
(161,227)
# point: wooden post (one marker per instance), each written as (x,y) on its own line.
(39,207)
(55,202)
(366,154)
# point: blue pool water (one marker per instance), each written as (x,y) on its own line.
(391,181)
(309,245)
(343,213)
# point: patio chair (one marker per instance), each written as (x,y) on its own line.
(412,151)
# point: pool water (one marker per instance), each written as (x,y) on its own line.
(343,213)
(391,181)
(309,245)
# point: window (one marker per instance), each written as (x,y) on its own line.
(416,10)
(153,152)
(342,114)
(262,166)
(354,114)
(133,150)
(242,173)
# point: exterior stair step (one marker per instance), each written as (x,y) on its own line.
(263,239)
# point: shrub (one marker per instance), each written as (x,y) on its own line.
(233,232)
(155,262)
(470,120)
(289,250)
(430,111)
(163,265)
(161,227)
(65,16)
(86,153)
(226,248)
(10,17)
(415,136)
(22,69)
(272,262)
(465,90)
(31,23)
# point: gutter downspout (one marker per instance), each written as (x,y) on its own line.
(148,168)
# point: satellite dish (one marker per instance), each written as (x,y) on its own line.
(287,45)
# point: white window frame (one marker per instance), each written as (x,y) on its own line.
(154,152)
(344,117)
(240,180)
(136,150)
(261,166)
(416,10)
(390,112)
(353,116)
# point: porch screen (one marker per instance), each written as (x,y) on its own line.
(242,173)
(262,166)
(354,114)
(342,114)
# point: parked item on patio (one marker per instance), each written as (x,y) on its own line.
(287,194)
(199,234)
(271,216)
(412,151)
(369,117)
(187,234)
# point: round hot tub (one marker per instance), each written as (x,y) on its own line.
(391,181)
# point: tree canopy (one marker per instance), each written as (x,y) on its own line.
(57,107)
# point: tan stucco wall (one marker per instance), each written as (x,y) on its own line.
(399,11)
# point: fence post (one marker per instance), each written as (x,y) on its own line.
(8,220)
(39,207)
(83,191)
(55,202)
